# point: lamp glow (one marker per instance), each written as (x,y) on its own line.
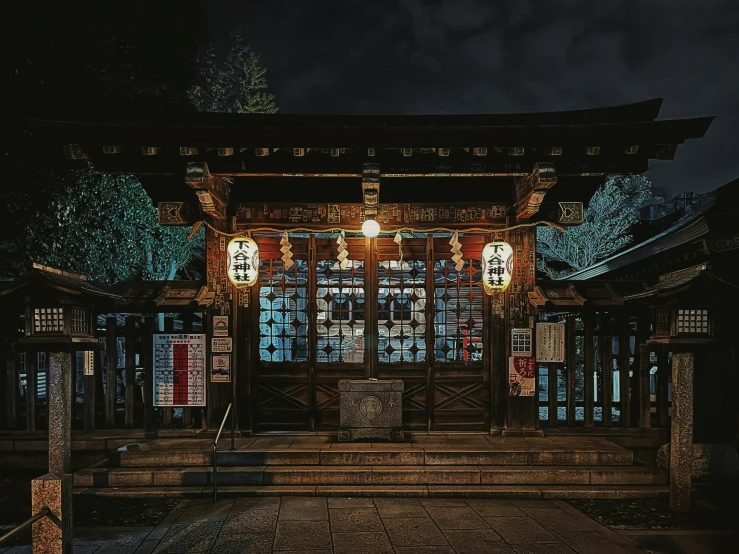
(370,228)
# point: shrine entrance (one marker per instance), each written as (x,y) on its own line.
(414,318)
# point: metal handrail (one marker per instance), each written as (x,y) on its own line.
(215,450)
(30,521)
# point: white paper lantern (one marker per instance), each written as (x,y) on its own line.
(243,261)
(497,259)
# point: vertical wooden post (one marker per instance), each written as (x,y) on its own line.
(663,368)
(148,341)
(589,370)
(111,363)
(312,331)
(187,329)
(645,412)
(606,367)
(31,389)
(624,354)
(570,347)
(169,328)
(11,392)
(430,342)
(681,433)
(552,392)
(130,381)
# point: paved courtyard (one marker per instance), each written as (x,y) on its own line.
(311,525)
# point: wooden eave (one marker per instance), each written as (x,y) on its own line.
(163,296)
(577,296)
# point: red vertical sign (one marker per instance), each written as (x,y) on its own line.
(180,374)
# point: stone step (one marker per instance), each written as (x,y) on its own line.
(372,457)
(290,475)
(406,491)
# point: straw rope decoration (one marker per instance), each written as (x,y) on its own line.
(343,230)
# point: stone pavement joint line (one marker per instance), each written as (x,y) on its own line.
(286,525)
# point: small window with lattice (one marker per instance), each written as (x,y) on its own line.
(80,320)
(663,322)
(48,320)
(693,321)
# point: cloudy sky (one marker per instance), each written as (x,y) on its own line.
(497,56)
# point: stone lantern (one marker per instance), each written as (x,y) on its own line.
(59,309)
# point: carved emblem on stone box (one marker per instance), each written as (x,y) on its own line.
(371,407)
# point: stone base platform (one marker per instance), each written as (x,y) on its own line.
(473,465)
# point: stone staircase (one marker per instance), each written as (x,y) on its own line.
(481,467)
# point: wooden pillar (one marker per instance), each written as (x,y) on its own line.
(111,363)
(148,342)
(31,389)
(681,433)
(589,370)
(663,369)
(606,367)
(570,347)
(130,381)
(497,352)
(624,354)
(552,392)
(11,391)
(645,414)
(169,328)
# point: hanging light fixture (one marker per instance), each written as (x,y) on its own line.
(370,228)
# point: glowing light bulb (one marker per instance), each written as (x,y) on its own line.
(370,228)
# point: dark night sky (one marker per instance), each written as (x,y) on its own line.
(498,56)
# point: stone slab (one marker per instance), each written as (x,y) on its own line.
(414,532)
(362,542)
(521,530)
(485,491)
(348,520)
(456,517)
(303,509)
(399,507)
(371,457)
(302,535)
(376,490)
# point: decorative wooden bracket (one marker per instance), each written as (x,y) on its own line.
(212,191)
(178,213)
(531,189)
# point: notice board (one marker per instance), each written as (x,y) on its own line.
(179,370)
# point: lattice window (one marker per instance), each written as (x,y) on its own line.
(48,320)
(340,312)
(692,321)
(401,311)
(458,300)
(283,311)
(80,321)
(663,322)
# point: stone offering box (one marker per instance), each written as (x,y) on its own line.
(371,409)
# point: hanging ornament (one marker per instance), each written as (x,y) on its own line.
(343,252)
(399,240)
(457,251)
(287,255)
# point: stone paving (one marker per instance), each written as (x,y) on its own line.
(309,525)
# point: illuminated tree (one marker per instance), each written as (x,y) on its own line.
(607,219)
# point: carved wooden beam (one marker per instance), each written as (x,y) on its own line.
(178,213)
(531,189)
(212,191)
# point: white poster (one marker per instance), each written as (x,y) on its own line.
(221,344)
(521,342)
(550,342)
(179,370)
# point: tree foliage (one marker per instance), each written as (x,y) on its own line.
(234,82)
(105,226)
(605,230)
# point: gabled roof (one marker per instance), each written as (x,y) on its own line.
(41,277)
(679,281)
(158,296)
